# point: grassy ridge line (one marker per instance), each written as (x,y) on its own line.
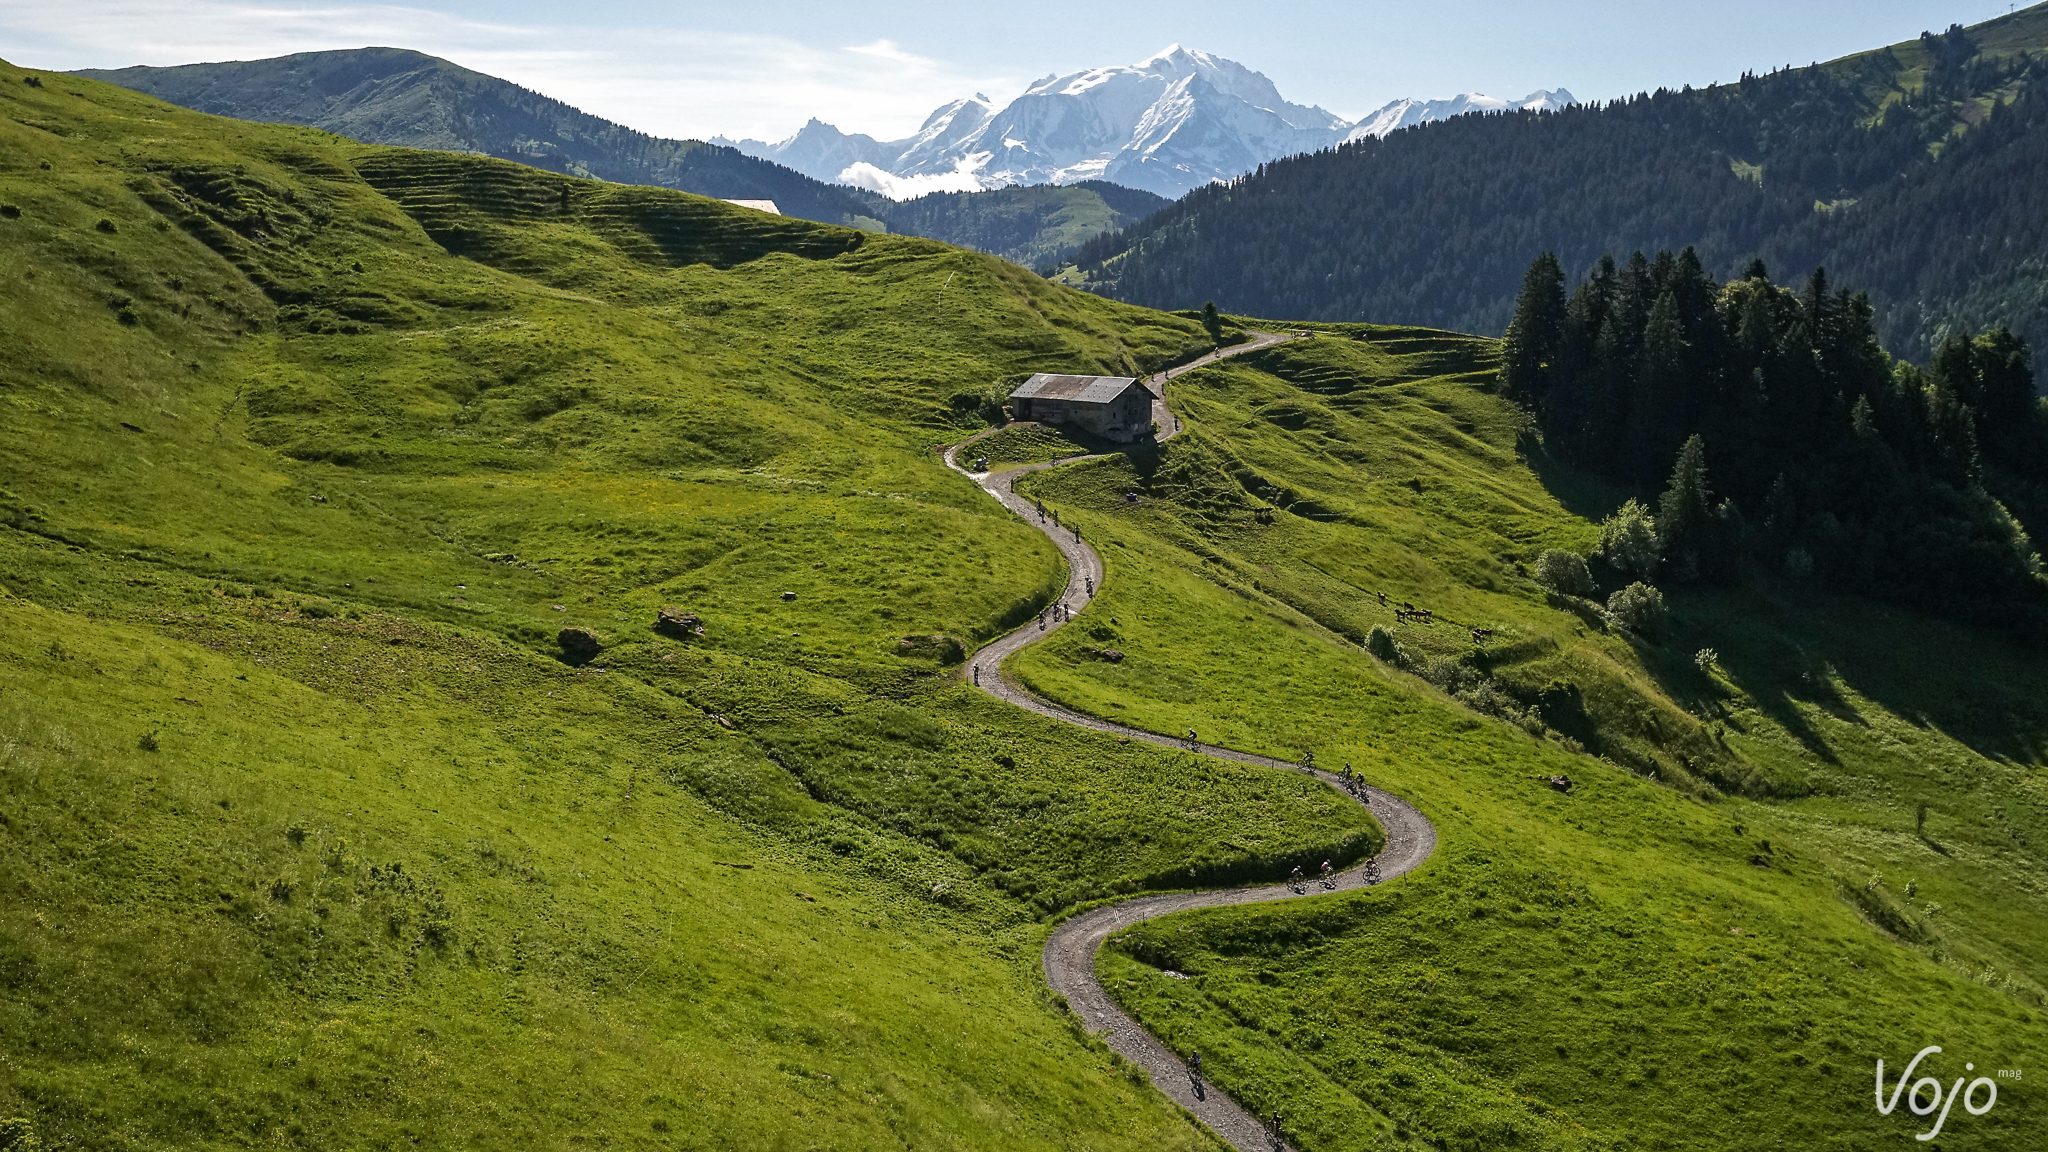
(408,99)
(1622,966)
(293,501)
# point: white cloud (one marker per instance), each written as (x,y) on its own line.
(961,179)
(665,80)
(888,50)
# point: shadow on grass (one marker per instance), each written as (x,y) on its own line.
(1583,494)
(1785,647)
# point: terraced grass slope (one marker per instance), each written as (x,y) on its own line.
(1705,943)
(310,835)
(394,96)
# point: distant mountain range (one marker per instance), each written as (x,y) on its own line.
(393,96)
(1167,124)
(1917,172)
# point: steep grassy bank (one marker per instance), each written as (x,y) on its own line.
(309,833)
(1707,941)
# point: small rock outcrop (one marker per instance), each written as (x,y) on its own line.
(941,648)
(676,623)
(579,645)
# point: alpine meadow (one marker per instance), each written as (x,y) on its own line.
(500,653)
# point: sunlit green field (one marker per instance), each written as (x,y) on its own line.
(1706,943)
(308,837)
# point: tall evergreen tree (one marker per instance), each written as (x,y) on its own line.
(1659,398)
(2008,409)
(1534,346)
(1685,513)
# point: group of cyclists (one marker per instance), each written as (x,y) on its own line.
(1271,1125)
(1355,784)
(1297,882)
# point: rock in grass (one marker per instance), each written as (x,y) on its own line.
(679,624)
(579,645)
(944,649)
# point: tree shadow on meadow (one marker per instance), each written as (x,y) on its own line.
(1787,647)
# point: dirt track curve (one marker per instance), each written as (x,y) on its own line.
(1070,952)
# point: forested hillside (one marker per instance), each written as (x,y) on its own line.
(1918,172)
(393,96)
(1790,438)
(1033,224)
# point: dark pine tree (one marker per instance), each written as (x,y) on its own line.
(1534,347)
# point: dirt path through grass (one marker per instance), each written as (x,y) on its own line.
(1070,952)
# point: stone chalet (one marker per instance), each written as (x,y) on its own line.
(1113,407)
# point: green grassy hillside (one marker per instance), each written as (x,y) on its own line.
(1706,942)
(1035,225)
(393,96)
(309,836)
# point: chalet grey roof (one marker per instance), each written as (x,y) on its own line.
(1085,389)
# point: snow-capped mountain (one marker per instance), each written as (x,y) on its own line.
(1166,124)
(1407,113)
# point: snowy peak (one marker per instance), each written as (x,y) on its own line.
(1407,113)
(1172,122)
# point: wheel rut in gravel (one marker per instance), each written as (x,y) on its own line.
(1069,958)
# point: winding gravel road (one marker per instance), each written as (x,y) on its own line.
(1070,952)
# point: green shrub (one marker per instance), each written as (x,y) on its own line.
(18,1134)
(106,225)
(1384,647)
(1638,608)
(1628,540)
(1564,573)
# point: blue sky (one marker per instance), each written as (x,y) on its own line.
(761,67)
